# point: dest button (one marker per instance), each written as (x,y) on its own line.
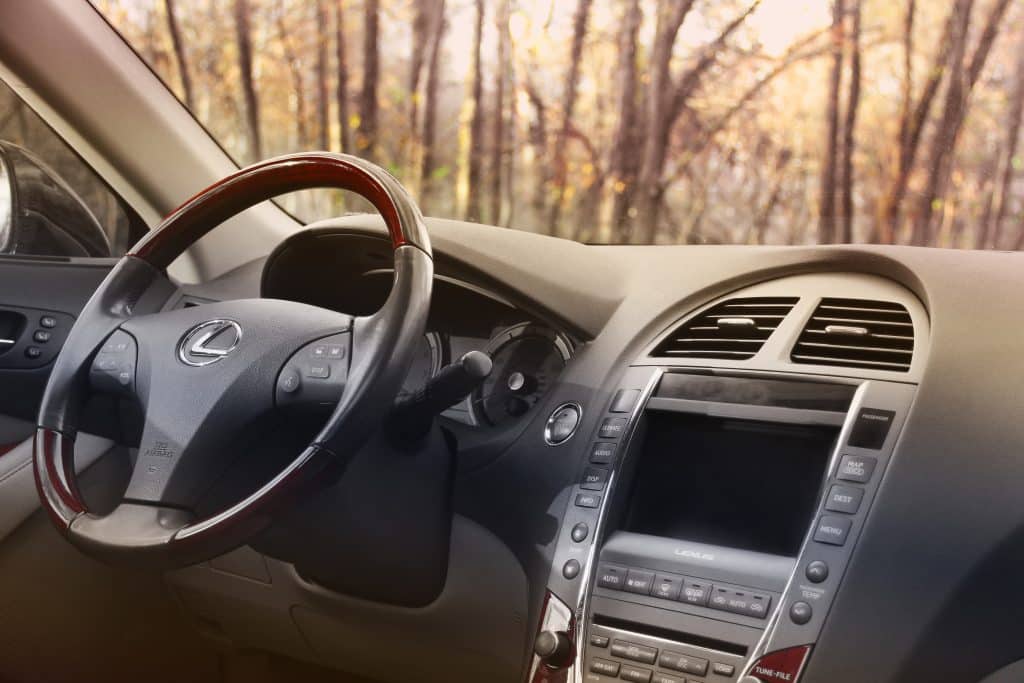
(844,499)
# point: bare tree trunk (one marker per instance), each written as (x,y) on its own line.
(992,234)
(476,124)
(962,80)
(498,150)
(908,70)
(420,37)
(539,142)
(366,134)
(850,125)
(322,101)
(298,80)
(572,81)
(625,154)
(429,136)
(911,128)
(252,108)
(829,173)
(765,215)
(179,53)
(341,94)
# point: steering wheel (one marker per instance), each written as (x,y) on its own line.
(204,375)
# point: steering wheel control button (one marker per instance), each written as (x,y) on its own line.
(667,586)
(856,468)
(562,423)
(832,530)
(634,652)
(612,427)
(800,613)
(602,453)
(695,592)
(319,351)
(571,569)
(624,400)
(580,532)
(817,571)
(604,667)
(639,581)
(289,382)
(871,427)
(335,351)
(844,499)
(587,500)
(610,576)
(594,479)
(113,367)
(48,321)
(318,371)
(635,675)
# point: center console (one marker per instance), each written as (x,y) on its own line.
(709,530)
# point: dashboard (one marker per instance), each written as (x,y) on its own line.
(766,464)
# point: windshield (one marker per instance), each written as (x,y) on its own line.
(627,121)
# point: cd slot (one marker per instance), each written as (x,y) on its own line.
(652,631)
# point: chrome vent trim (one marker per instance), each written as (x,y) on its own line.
(857,333)
(735,329)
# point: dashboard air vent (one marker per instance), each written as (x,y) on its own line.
(732,330)
(857,333)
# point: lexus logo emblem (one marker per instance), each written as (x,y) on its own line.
(209,342)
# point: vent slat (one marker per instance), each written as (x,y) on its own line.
(716,334)
(888,344)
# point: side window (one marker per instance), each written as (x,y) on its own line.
(51,202)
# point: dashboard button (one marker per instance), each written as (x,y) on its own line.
(33,352)
(695,592)
(48,321)
(667,586)
(571,569)
(610,576)
(685,663)
(665,678)
(856,468)
(594,479)
(598,641)
(723,669)
(817,571)
(639,581)
(871,427)
(580,532)
(562,424)
(634,652)
(832,530)
(844,499)
(603,453)
(624,400)
(588,500)
(41,336)
(635,675)
(603,666)
(612,427)
(800,613)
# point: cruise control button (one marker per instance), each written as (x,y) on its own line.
(612,427)
(594,479)
(844,499)
(610,576)
(639,581)
(603,666)
(856,468)
(634,652)
(832,530)
(631,673)
(667,586)
(588,500)
(603,453)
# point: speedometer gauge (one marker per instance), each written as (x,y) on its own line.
(527,360)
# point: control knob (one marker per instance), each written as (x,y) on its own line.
(554,649)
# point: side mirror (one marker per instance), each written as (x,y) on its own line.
(40,214)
